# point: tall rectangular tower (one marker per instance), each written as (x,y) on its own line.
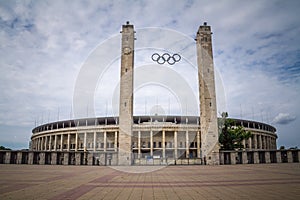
(126,95)
(208,108)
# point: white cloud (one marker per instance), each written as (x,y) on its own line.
(284,118)
(44,43)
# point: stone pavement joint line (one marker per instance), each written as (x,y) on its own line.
(74,193)
(268,181)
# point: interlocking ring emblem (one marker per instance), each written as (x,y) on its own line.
(162,59)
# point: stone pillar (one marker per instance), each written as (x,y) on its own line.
(198,147)
(260,142)
(245,157)
(139,144)
(37,144)
(221,158)
(42,144)
(68,142)
(126,95)
(175,145)
(66,158)
(7,157)
(151,141)
(255,141)
(19,157)
(265,142)
(90,159)
(61,141)
(116,141)
(278,157)
(54,158)
(233,158)
(30,158)
(94,142)
(77,158)
(76,141)
(187,144)
(271,143)
(46,143)
(84,142)
(105,141)
(250,143)
(55,143)
(244,144)
(33,146)
(290,156)
(255,157)
(42,158)
(267,157)
(207,96)
(163,144)
(50,142)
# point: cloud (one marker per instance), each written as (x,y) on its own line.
(44,43)
(284,118)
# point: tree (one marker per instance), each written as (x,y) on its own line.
(231,136)
(4,148)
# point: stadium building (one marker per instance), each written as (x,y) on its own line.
(143,140)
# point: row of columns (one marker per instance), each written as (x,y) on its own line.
(90,158)
(163,142)
(256,158)
(45,143)
(260,142)
(57,142)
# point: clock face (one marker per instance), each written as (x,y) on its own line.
(127,50)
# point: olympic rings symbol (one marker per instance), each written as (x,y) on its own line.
(162,59)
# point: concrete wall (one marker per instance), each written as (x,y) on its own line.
(260,157)
(111,158)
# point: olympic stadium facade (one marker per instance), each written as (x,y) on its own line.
(128,139)
(151,140)
(155,139)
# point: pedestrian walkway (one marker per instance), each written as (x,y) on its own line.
(263,181)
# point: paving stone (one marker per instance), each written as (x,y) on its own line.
(257,181)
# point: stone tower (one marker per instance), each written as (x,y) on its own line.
(126,95)
(207,95)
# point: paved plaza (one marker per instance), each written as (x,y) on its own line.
(263,181)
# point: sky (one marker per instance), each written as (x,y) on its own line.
(44,46)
